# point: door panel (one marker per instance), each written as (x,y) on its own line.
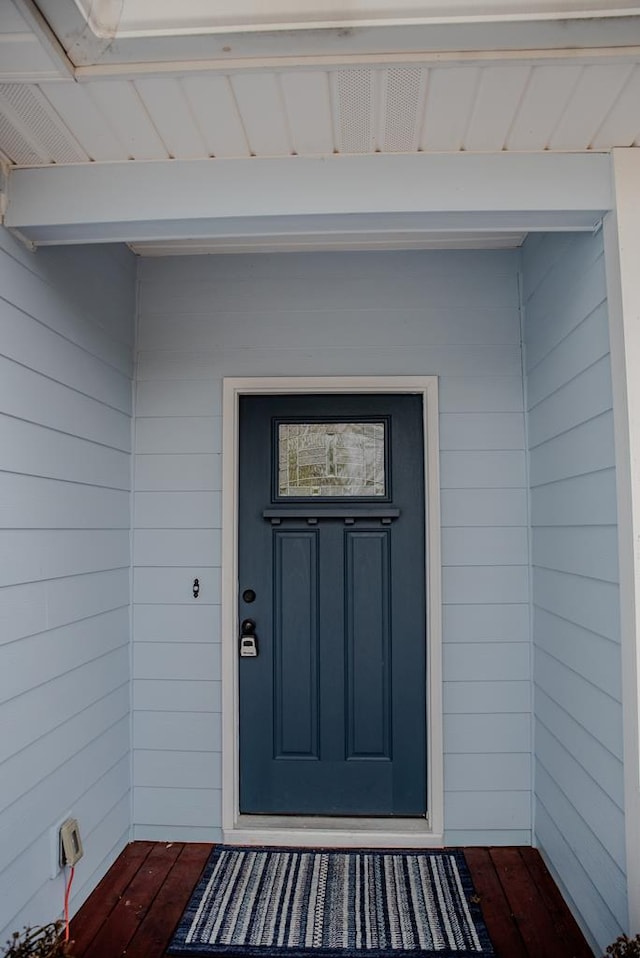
(295,642)
(332,710)
(368,644)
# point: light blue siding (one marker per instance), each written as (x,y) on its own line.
(579,817)
(454,315)
(66,322)
(66,319)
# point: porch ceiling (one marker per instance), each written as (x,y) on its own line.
(524,76)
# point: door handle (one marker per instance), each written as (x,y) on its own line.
(248,639)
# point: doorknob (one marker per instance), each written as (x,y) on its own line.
(248,639)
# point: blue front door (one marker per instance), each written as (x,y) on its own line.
(332,600)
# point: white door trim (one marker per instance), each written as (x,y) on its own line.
(336,832)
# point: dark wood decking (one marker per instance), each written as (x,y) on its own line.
(137,905)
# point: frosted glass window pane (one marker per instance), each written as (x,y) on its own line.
(331,459)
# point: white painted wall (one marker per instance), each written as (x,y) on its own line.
(450,314)
(579,788)
(66,322)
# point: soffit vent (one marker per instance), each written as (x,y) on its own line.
(15,145)
(354,91)
(403,96)
(39,136)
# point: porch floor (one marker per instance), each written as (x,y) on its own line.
(137,905)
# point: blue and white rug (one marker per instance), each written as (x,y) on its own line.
(333,904)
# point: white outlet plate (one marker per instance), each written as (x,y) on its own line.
(71,850)
(54,846)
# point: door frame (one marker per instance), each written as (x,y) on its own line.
(330,832)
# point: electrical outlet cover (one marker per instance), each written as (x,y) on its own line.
(71,850)
(55,864)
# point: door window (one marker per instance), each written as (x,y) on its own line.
(331,460)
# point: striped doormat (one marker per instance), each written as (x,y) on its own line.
(333,904)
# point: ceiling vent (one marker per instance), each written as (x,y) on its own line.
(404,93)
(379,110)
(355,102)
(32,133)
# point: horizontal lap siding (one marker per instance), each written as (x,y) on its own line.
(454,315)
(579,820)
(66,323)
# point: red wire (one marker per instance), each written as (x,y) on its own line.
(67,892)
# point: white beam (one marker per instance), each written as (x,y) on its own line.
(137,200)
(622,246)
(273,233)
(191,35)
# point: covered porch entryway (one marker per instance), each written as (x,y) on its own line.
(404,209)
